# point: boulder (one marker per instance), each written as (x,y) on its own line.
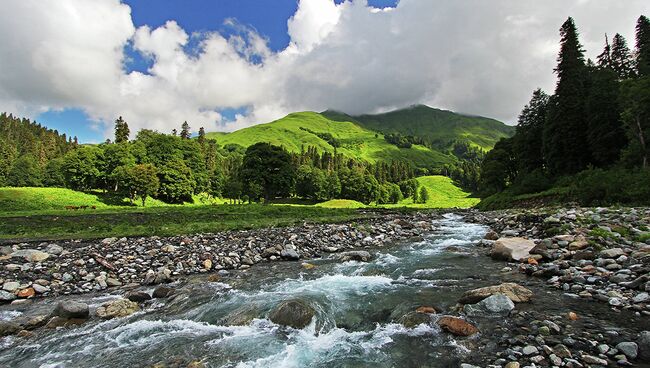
(138,296)
(512,249)
(72,309)
(491,235)
(31,255)
(514,292)
(457,326)
(497,304)
(357,255)
(117,308)
(612,253)
(414,319)
(289,254)
(9,328)
(54,249)
(630,349)
(292,313)
(162,292)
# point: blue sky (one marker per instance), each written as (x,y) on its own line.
(267,17)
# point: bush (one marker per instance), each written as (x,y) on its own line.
(532,182)
(598,187)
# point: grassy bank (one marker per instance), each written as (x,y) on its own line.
(163,221)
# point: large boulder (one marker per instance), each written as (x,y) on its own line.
(512,249)
(292,313)
(31,255)
(72,309)
(514,292)
(117,308)
(414,319)
(457,326)
(497,304)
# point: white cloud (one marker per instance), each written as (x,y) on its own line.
(471,56)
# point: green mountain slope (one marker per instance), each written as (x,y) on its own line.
(355,141)
(362,136)
(438,127)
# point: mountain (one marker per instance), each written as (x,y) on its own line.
(439,128)
(362,136)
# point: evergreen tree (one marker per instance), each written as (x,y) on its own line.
(605,59)
(643,46)
(621,60)
(566,126)
(527,143)
(121,131)
(423,196)
(185,130)
(635,101)
(201,138)
(25,172)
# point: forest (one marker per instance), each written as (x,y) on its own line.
(590,136)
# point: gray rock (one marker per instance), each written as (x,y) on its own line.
(11,286)
(414,319)
(612,253)
(292,313)
(6,296)
(9,328)
(641,298)
(72,309)
(590,359)
(357,255)
(630,349)
(644,345)
(529,350)
(54,249)
(497,304)
(512,249)
(289,254)
(138,296)
(31,255)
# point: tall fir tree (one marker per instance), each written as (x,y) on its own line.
(185,130)
(565,130)
(121,131)
(643,46)
(201,138)
(528,140)
(621,58)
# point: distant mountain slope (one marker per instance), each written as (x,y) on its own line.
(362,136)
(438,127)
(304,129)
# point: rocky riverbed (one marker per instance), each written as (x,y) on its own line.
(563,288)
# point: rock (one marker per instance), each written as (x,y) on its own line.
(11,286)
(9,328)
(138,296)
(612,253)
(162,292)
(54,249)
(497,304)
(414,319)
(457,326)
(512,249)
(293,313)
(117,308)
(644,345)
(357,255)
(40,289)
(26,293)
(109,241)
(31,255)
(58,321)
(512,365)
(241,316)
(426,309)
(630,349)
(113,282)
(641,298)
(207,264)
(6,296)
(491,235)
(514,292)
(529,350)
(289,254)
(72,309)
(589,359)
(573,316)
(308,266)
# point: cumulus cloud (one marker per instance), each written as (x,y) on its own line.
(470,56)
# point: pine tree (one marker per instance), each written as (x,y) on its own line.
(174,132)
(121,131)
(185,130)
(565,130)
(621,58)
(201,138)
(528,140)
(605,59)
(643,46)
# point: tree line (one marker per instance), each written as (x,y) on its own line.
(175,167)
(598,119)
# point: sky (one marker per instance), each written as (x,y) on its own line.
(76,65)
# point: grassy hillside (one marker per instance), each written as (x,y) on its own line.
(439,127)
(355,141)
(442,194)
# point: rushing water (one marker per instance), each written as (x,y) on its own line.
(356,305)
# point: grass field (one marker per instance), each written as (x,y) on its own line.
(341,203)
(356,141)
(442,194)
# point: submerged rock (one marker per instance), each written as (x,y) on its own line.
(72,309)
(516,293)
(8,328)
(162,292)
(457,326)
(117,308)
(241,316)
(357,255)
(512,249)
(292,313)
(414,319)
(138,296)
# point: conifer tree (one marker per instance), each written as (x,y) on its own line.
(643,46)
(565,129)
(528,140)
(121,131)
(621,58)
(185,130)
(201,138)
